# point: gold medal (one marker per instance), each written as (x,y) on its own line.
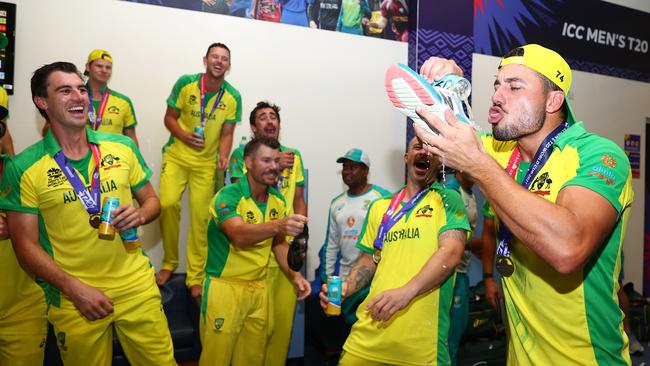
(505,266)
(376,256)
(94,220)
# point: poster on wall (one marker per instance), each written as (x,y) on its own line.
(632,146)
(7,45)
(593,36)
(385,19)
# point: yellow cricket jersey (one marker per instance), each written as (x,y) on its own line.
(33,183)
(291,177)
(118,113)
(185,98)
(416,335)
(224,259)
(19,291)
(571,319)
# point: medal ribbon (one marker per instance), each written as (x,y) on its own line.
(541,157)
(390,220)
(202,95)
(95,121)
(90,199)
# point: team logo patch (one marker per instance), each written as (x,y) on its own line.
(608,160)
(192,99)
(222,209)
(459,215)
(55,177)
(273,214)
(218,323)
(250,217)
(60,337)
(350,221)
(109,162)
(113,110)
(233,160)
(425,211)
(542,184)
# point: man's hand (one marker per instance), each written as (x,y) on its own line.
(4,229)
(223,163)
(196,291)
(193,140)
(457,142)
(286,159)
(492,293)
(90,301)
(323,294)
(383,306)
(126,216)
(302,286)
(292,225)
(313,25)
(209,2)
(435,68)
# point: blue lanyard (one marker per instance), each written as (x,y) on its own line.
(541,157)
(390,220)
(90,199)
(202,95)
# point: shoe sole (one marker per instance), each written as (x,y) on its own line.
(407,90)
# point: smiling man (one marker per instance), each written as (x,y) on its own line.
(202,111)
(265,121)
(249,225)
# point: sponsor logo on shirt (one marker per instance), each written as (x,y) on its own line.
(605,174)
(366,204)
(250,217)
(608,160)
(273,214)
(218,323)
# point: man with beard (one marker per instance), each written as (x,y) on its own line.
(202,111)
(562,197)
(52,193)
(249,224)
(265,121)
(411,242)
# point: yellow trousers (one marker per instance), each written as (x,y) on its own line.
(175,176)
(282,304)
(140,323)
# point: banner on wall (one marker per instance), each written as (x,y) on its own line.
(386,19)
(632,146)
(592,35)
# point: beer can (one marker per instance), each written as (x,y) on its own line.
(199,130)
(130,239)
(106,229)
(334,288)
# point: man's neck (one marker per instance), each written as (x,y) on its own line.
(73,141)
(412,188)
(359,189)
(528,145)
(259,192)
(96,89)
(212,84)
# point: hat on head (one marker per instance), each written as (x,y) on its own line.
(546,62)
(356,155)
(98,54)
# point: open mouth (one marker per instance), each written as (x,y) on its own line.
(77,111)
(423,164)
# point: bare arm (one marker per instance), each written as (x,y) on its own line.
(280,249)
(127,216)
(130,132)
(435,271)
(564,233)
(190,139)
(359,277)
(91,302)
(225,144)
(243,235)
(488,250)
(299,204)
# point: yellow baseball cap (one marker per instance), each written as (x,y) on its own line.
(546,62)
(99,54)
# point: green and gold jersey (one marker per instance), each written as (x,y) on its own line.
(416,335)
(185,99)
(118,113)
(573,319)
(291,177)
(33,183)
(19,291)
(224,259)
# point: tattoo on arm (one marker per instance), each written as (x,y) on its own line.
(453,234)
(360,278)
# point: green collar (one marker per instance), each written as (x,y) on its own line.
(52,145)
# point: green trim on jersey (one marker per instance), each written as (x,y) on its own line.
(444,321)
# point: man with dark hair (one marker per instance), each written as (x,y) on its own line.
(202,111)
(265,121)
(52,192)
(562,199)
(109,110)
(249,224)
(411,242)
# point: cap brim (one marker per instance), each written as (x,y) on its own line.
(342,159)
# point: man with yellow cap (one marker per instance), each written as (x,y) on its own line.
(562,199)
(108,110)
